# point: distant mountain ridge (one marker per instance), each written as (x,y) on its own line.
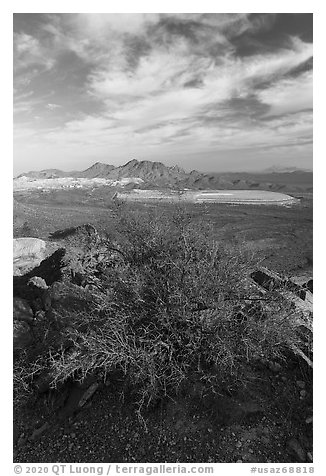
(156,174)
(280,169)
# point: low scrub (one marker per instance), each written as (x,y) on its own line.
(177,308)
(170,307)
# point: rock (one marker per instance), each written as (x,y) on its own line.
(88,394)
(79,393)
(310,457)
(27,253)
(309,420)
(50,269)
(37,282)
(41,298)
(86,230)
(303,393)
(239,461)
(38,432)
(72,399)
(301,384)
(296,450)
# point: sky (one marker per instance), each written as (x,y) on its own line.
(211,92)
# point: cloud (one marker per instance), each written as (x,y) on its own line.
(28,52)
(159,84)
(158,89)
(53,107)
(99,25)
(289,95)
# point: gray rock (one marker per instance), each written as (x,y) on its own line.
(37,282)
(88,394)
(296,450)
(27,254)
(301,384)
(309,420)
(38,432)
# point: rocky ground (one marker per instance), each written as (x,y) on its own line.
(93,421)
(274,426)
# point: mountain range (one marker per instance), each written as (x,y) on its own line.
(156,175)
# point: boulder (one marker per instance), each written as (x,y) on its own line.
(27,253)
(85,230)
(37,282)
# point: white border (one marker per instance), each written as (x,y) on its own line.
(67,6)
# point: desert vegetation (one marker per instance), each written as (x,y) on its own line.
(163,304)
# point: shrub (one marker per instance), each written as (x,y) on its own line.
(174,307)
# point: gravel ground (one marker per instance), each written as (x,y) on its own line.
(109,430)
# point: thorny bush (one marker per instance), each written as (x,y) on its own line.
(175,307)
(170,308)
